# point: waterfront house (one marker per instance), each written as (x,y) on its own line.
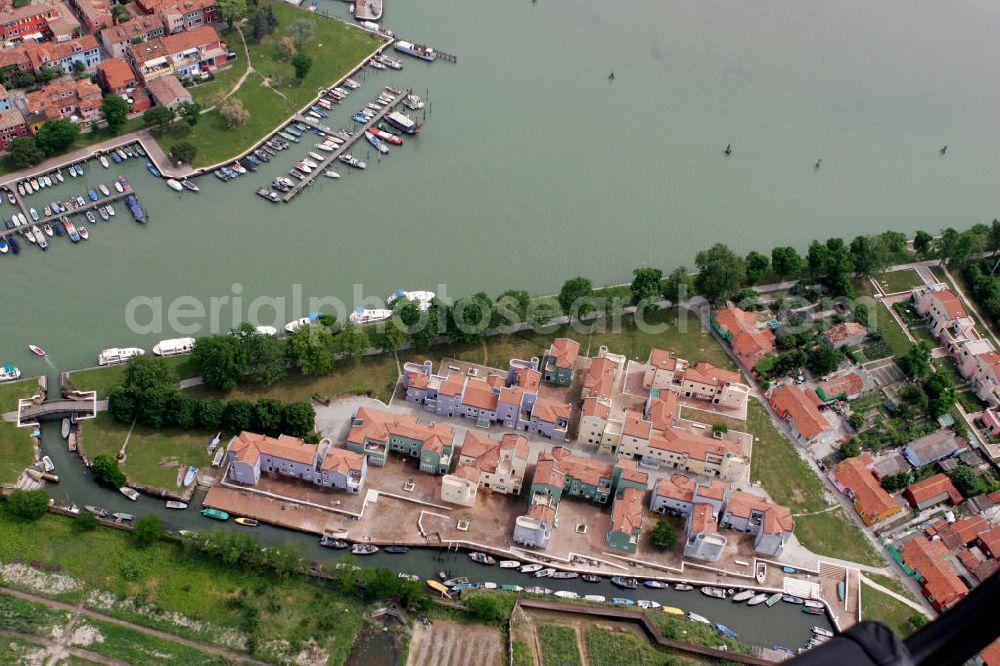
(322,464)
(939,582)
(931,491)
(800,410)
(12,126)
(750,341)
(626,519)
(854,478)
(702,540)
(534,529)
(116,39)
(186,54)
(484,462)
(940,305)
(64,56)
(559,361)
(116,77)
(79,101)
(770,525)
(167,91)
(933,448)
(602,375)
(845,334)
(376,433)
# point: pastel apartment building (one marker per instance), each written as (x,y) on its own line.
(19,23)
(95,15)
(375,433)
(63,98)
(510,400)
(488,463)
(800,410)
(941,306)
(117,39)
(180,15)
(559,362)
(64,56)
(854,478)
(562,473)
(749,341)
(12,126)
(706,506)
(626,519)
(251,455)
(664,371)
(603,374)
(185,54)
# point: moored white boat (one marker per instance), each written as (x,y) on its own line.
(266,330)
(293,326)
(174,347)
(175,185)
(9,373)
(130,493)
(422,298)
(115,355)
(331,174)
(176,505)
(369,315)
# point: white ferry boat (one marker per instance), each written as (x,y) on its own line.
(114,355)
(174,347)
(415,50)
(9,373)
(422,298)
(369,315)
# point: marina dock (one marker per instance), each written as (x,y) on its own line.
(342,148)
(368,10)
(89,205)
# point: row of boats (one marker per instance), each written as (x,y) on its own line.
(754,598)
(29,186)
(172,183)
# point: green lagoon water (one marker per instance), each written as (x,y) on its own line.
(533,166)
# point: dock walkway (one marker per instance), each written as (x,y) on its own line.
(90,205)
(342,148)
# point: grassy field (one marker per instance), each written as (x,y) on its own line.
(213,92)
(161,587)
(777,466)
(879,606)
(897,281)
(103,380)
(611,648)
(15,443)
(152,456)
(559,645)
(271,94)
(28,617)
(683,629)
(136,647)
(523,656)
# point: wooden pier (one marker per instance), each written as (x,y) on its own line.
(89,205)
(342,148)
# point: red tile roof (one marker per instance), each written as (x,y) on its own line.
(940,580)
(697,447)
(188,39)
(479,394)
(377,425)
(677,487)
(663,360)
(991,654)
(951,304)
(595,407)
(550,410)
(749,342)
(600,379)
(802,408)
(853,474)
(565,352)
(990,539)
(626,514)
(713,489)
(636,426)
(963,532)
(703,519)
(248,447)
(582,468)
(116,74)
(706,373)
(777,518)
(921,491)
(663,410)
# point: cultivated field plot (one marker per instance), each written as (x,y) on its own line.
(451,644)
(886,372)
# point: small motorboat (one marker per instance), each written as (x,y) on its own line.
(407,576)
(841,589)
(104,189)
(328,541)
(103,212)
(153,170)
(600,598)
(756,600)
(47,464)
(792,599)
(215,514)
(509,564)
(508,587)
(773,599)
(724,630)
(396,550)
(185,533)
(761,572)
(683,587)
(714,592)
(789,570)
(130,493)
(625,582)
(566,594)
(84,234)
(175,185)
(622,601)
(647,604)
(190,475)
(531,568)
(331,174)
(536,589)
(812,603)
(544,573)
(188,185)
(176,505)
(316,156)
(96,510)
(246,522)
(482,558)
(452,582)
(820,631)
(364,549)
(673,610)
(140,150)
(742,596)
(104,161)
(590,578)
(812,611)
(437,587)
(36,350)
(565,574)
(122,517)
(119,186)
(47,228)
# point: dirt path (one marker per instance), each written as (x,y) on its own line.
(242,79)
(86,612)
(59,651)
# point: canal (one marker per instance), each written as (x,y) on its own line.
(784,624)
(534,167)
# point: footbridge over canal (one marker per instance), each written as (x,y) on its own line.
(77,407)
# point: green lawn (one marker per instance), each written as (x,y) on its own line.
(213,92)
(889,582)
(28,617)
(103,380)
(879,606)
(15,443)
(683,629)
(336,49)
(153,456)
(559,646)
(522,654)
(898,281)
(185,595)
(832,533)
(16,651)
(137,647)
(612,648)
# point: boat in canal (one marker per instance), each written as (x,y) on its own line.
(600,598)
(123,517)
(565,574)
(725,631)
(353,162)
(648,604)
(792,599)
(270,195)
(812,611)
(820,631)
(481,558)
(452,582)
(437,587)
(673,610)
(173,504)
(531,568)
(104,161)
(364,549)
(773,599)
(9,373)
(174,347)
(328,541)
(590,578)
(135,208)
(396,550)
(377,143)
(742,596)
(246,522)
(190,186)
(96,510)
(656,584)
(415,50)
(104,189)
(423,299)
(683,587)
(509,564)
(329,173)
(544,573)
(64,428)
(566,594)
(756,600)
(116,355)
(402,122)
(174,184)
(130,493)
(215,514)
(537,589)
(714,592)
(153,170)
(622,601)
(625,582)
(47,464)
(103,212)
(812,603)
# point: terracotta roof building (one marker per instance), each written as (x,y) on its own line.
(626,520)
(939,582)
(116,77)
(801,411)
(116,39)
(739,328)
(932,490)
(853,478)
(65,98)
(375,433)
(251,454)
(64,56)
(12,126)
(559,361)
(499,465)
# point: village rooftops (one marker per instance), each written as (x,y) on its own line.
(933,447)
(931,487)
(696,447)
(801,408)
(11,118)
(45,53)
(663,410)
(564,352)
(582,468)
(959,533)
(853,474)
(748,340)
(939,579)
(706,373)
(703,519)
(527,379)
(597,408)
(777,518)
(546,472)
(247,446)
(627,512)
(116,73)
(479,393)
(951,303)
(600,379)
(550,410)
(665,360)
(377,425)
(636,426)
(129,30)
(848,385)
(714,489)
(676,487)
(486,451)
(990,539)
